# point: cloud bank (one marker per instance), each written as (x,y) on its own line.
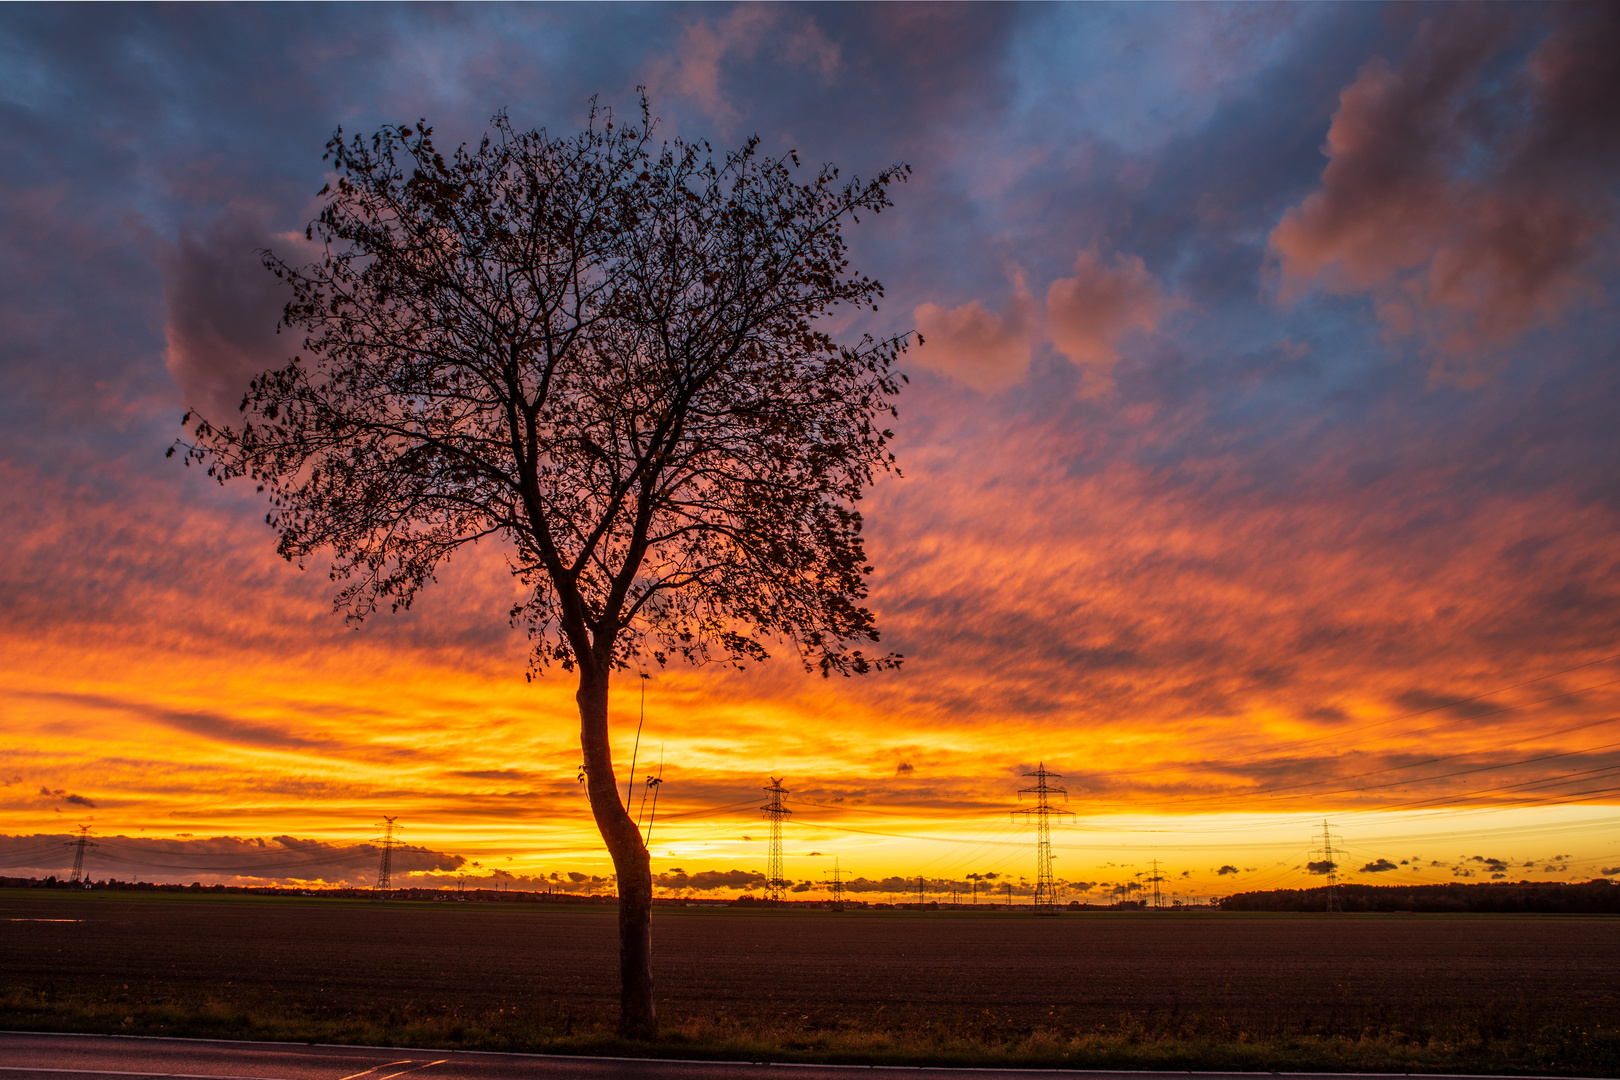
(1468,188)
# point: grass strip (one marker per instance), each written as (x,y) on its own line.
(1163,1043)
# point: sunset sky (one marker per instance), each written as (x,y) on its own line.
(1261,467)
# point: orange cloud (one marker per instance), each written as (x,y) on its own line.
(1087,318)
(1092,311)
(1466,205)
(970,343)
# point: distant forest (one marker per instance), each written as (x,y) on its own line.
(1599,897)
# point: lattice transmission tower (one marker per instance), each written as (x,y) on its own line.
(775,882)
(836,884)
(1043,811)
(78,847)
(1158,897)
(385,868)
(1326,851)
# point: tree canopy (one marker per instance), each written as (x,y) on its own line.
(607,354)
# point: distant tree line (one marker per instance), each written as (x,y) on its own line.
(512,896)
(1599,897)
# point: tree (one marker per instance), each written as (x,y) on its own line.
(610,355)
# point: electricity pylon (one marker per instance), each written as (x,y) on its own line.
(385,869)
(1326,851)
(775,882)
(837,887)
(78,847)
(1157,877)
(1043,811)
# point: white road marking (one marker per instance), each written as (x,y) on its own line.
(374,1068)
(419,1068)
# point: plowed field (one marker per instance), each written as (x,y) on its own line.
(980,976)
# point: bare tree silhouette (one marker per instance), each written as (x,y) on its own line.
(606,352)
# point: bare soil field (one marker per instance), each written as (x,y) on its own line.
(1419,993)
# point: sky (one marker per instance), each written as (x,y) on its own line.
(1258,469)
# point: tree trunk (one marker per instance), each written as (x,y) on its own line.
(637,1018)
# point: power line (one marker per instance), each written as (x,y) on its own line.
(1264,755)
(629,785)
(19,856)
(1457,799)
(710,810)
(1294,788)
(1542,781)
(1459,772)
(979,844)
(1204,799)
(654,784)
(244,870)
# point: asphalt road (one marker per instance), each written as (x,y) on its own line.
(64,1057)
